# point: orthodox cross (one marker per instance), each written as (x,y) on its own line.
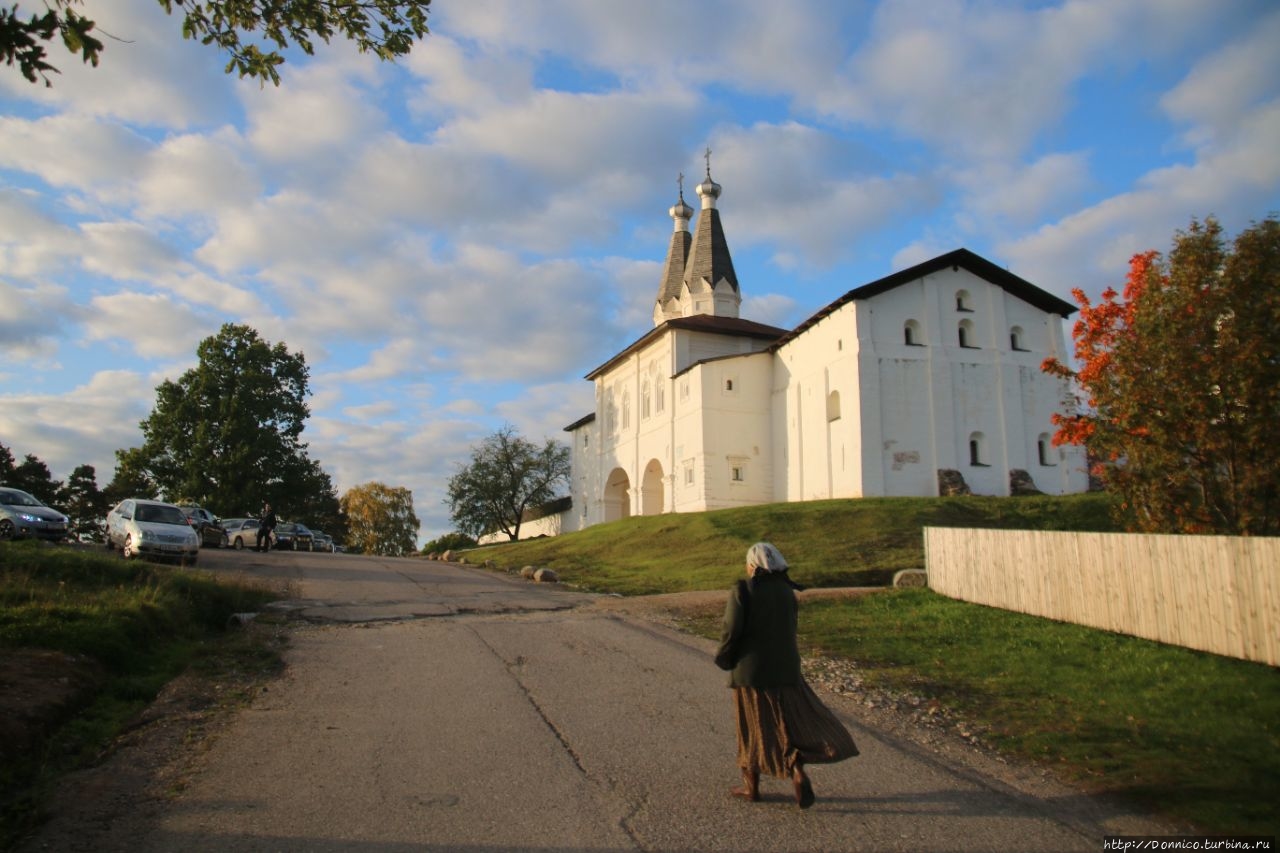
(680,181)
(707,155)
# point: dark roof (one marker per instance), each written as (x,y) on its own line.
(673,270)
(698,323)
(552,507)
(581,422)
(709,258)
(974,263)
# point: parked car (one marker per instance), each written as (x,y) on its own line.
(22,515)
(294,536)
(151,529)
(321,541)
(243,533)
(207,527)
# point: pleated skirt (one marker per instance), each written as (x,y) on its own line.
(780,727)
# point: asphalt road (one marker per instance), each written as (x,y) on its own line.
(441,708)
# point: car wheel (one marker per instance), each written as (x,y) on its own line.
(6,529)
(239,546)
(127,550)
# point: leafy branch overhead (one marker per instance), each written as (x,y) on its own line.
(253,33)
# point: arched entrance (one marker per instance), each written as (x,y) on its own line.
(651,489)
(617,497)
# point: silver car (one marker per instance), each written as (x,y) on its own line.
(152,529)
(23,516)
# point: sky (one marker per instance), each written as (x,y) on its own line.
(455,240)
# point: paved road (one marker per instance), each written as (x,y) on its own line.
(440,708)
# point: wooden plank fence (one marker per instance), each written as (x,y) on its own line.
(1218,594)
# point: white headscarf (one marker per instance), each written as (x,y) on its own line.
(764,557)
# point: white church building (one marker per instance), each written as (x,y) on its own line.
(926,382)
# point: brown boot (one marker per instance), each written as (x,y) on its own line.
(750,789)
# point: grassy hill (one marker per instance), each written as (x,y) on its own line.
(858,542)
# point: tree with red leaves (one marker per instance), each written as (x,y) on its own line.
(1179,384)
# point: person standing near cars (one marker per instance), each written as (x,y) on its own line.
(266,525)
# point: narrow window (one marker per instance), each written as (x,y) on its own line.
(962,301)
(728,385)
(833,406)
(1015,339)
(1044,447)
(977,450)
(645,400)
(738,474)
(966,335)
(911,334)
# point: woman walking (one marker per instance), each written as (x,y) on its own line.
(782,724)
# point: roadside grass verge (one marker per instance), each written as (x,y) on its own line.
(128,628)
(1193,735)
(828,543)
(1190,735)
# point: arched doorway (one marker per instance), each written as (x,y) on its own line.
(617,497)
(652,489)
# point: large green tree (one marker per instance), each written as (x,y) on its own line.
(380,520)
(240,28)
(1180,377)
(227,433)
(507,476)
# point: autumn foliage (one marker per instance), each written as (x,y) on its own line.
(1179,384)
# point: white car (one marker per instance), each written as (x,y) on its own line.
(141,528)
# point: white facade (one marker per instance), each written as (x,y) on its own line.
(932,369)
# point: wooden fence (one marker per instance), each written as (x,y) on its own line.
(1218,594)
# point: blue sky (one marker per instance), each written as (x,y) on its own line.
(455,240)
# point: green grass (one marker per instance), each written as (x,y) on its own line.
(828,543)
(1187,734)
(141,624)
(1191,734)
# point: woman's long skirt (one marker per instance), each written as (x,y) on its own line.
(780,727)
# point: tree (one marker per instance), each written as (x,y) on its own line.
(386,28)
(507,476)
(131,479)
(1181,382)
(86,505)
(227,434)
(380,520)
(31,475)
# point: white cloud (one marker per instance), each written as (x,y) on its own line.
(148,73)
(1223,88)
(84,425)
(74,151)
(1236,181)
(153,325)
(196,175)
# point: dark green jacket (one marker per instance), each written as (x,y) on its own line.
(758,643)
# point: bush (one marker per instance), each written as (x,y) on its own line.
(449,542)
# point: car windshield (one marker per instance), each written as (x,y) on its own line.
(13,497)
(160,514)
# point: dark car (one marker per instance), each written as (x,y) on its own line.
(207,527)
(23,515)
(241,532)
(294,536)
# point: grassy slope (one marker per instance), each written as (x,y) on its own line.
(827,543)
(1194,735)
